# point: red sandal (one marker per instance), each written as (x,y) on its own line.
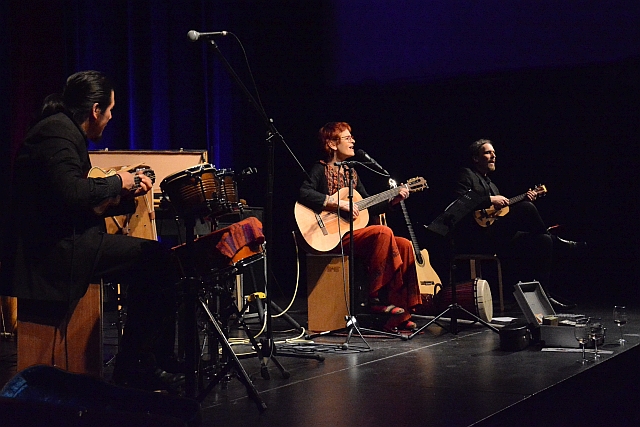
(387,309)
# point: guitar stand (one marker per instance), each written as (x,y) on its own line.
(453,308)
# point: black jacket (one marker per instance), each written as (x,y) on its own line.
(54,236)
(468,179)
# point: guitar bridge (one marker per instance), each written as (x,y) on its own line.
(321,224)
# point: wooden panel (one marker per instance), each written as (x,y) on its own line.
(327,296)
(67,337)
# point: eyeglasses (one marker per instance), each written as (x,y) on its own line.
(347,138)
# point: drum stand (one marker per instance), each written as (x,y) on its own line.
(192,300)
(453,309)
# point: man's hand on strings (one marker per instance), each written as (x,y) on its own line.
(499,202)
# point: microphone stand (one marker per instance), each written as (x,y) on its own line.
(352,322)
(272,133)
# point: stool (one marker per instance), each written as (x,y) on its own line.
(475,269)
(58,334)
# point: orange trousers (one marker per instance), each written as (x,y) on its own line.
(391,269)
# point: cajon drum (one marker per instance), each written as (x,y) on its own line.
(62,335)
(327,292)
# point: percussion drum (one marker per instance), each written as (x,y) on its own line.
(193,191)
(228,194)
(473,296)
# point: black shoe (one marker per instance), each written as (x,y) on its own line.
(568,245)
(560,306)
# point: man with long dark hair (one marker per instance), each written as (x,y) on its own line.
(59,244)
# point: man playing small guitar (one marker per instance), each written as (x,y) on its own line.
(520,238)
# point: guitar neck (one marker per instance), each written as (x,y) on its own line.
(372,200)
(517,199)
(412,234)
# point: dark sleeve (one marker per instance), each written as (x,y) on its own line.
(468,180)
(314,190)
(63,155)
(68,180)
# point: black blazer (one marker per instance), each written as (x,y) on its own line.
(54,237)
(468,179)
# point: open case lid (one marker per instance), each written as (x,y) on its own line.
(533,301)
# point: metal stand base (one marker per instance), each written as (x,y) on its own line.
(230,364)
(453,326)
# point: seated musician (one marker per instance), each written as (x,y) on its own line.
(389,260)
(520,238)
(60,244)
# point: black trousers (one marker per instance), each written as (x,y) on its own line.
(145,268)
(519,238)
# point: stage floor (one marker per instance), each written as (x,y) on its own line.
(434,379)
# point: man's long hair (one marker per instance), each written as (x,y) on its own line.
(81,91)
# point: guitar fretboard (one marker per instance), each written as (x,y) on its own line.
(372,200)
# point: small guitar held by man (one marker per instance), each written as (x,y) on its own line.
(97,172)
(486,217)
(141,222)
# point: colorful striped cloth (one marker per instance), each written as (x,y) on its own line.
(247,232)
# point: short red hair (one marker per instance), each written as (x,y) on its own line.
(331,132)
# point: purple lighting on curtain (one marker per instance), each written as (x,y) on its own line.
(381,41)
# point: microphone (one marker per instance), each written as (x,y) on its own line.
(362,154)
(194,35)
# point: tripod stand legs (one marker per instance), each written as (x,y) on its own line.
(272,349)
(454,320)
(232,362)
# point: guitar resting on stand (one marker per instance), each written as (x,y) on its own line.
(428,279)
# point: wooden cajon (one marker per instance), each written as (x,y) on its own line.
(56,334)
(327,292)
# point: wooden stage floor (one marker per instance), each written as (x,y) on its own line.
(434,379)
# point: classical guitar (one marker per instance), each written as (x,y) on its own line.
(142,222)
(486,217)
(322,231)
(427,276)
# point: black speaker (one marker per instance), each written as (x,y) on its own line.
(45,395)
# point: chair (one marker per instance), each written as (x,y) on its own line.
(475,269)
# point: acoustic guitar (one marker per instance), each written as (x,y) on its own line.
(486,217)
(322,231)
(427,276)
(142,222)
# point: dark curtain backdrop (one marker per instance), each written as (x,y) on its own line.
(165,84)
(571,124)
